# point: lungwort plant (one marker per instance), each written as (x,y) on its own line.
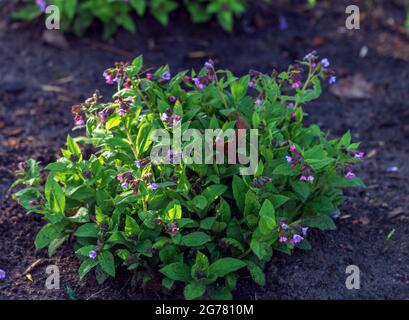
(191,224)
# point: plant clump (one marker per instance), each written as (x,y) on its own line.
(200,225)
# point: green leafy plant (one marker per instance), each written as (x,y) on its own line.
(196,225)
(77,15)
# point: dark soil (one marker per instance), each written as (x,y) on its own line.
(39,83)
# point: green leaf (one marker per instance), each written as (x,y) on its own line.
(70,7)
(256,273)
(131,226)
(86,267)
(173,211)
(251,203)
(345,140)
(177,271)
(261,249)
(200,202)
(44,237)
(55,195)
(224,266)
(126,22)
(214,191)
(73,146)
(322,222)
(55,244)
(201,265)
(267,220)
(139,6)
(278,200)
(113,122)
(107,262)
(194,290)
(195,239)
(89,230)
(81,216)
(29,12)
(284,169)
(239,189)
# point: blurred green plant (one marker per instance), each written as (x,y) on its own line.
(77,15)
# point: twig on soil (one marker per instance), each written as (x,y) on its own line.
(32,266)
(96,293)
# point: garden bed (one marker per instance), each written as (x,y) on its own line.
(40,83)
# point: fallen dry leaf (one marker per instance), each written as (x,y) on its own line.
(395,212)
(55,38)
(353,87)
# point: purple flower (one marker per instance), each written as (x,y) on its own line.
(359,155)
(153,186)
(325,63)
(209,64)
(304,231)
(282,239)
(108,78)
(166,76)
(21,165)
(289,159)
(307,178)
(172,99)
(252,84)
(332,80)
(32,202)
(311,56)
(138,164)
(164,117)
(102,116)
(350,175)
(2,274)
(198,84)
(392,169)
(284,226)
(125,184)
(92,254)
(175,118)
(258,101)
(297,238)
(42,5)
(283,24)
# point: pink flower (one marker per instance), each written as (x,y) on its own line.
(258,101)
(282,239)
(164,117)
(292,148)
(78,121)
(149,76)
(296,84)
(289,159)
(307,178)
(174,230)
